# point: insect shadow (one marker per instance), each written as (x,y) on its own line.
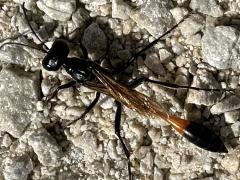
(88,73)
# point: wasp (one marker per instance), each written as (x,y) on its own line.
(87,73)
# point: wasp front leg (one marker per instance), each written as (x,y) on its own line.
(87,109)
(64,86)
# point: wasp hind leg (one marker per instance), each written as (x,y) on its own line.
(118,133)
(136,82)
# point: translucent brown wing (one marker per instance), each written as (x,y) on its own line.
(137,101)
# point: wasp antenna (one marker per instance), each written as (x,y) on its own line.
(35,34)
(21,44)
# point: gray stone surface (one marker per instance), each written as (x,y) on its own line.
(94,2)
(19,92)
(45,146)
(120,9)
(232,116)
(228,104)
(231,163)
(79,17)
(192,25)
(153,62)
(220,47)
(154,16)
(18,167)
(94,40)
(208,7)
(57,10)
(204,80)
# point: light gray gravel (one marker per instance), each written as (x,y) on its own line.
(203,51)
(19,93)
(220,47)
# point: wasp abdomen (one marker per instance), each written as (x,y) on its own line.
(204,138)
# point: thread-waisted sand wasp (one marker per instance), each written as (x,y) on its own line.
(91,75)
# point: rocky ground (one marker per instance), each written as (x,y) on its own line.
(202,52)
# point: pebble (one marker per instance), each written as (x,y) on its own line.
(88,142)
(107,103)
(179,13)
(235,129)
(111,149)
(153,62)
(178,48)
(138,130)
(45,147)
(94,40)
(181,61)
(141,152)
(15,55)
(175,177)
(120,9)
(231,162)
(208,7)
(228,104)
(94,2)
(194,40)
(155,135)
(145,16)
(205,80)
(75,111)
(17,99)
(232,116)
(191,25)
(57,10)
(158,174)
(7,140)
(165,55)
(220,47)
(146,164)
(176,160)
(79,17)
(18,167)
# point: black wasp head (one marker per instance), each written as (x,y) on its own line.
(56,56)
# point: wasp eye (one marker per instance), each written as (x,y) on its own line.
(53,64)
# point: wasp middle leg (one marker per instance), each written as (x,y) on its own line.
(136,82)
(118,133)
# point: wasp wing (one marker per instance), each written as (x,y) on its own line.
(129,97)
(97,86)
(137,101)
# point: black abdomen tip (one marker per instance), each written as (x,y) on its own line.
(204,138)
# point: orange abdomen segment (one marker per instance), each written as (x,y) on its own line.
(179,124)
(198,134)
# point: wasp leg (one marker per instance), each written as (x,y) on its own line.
(118,133)
(64,86)
(138,53)
(88,108)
